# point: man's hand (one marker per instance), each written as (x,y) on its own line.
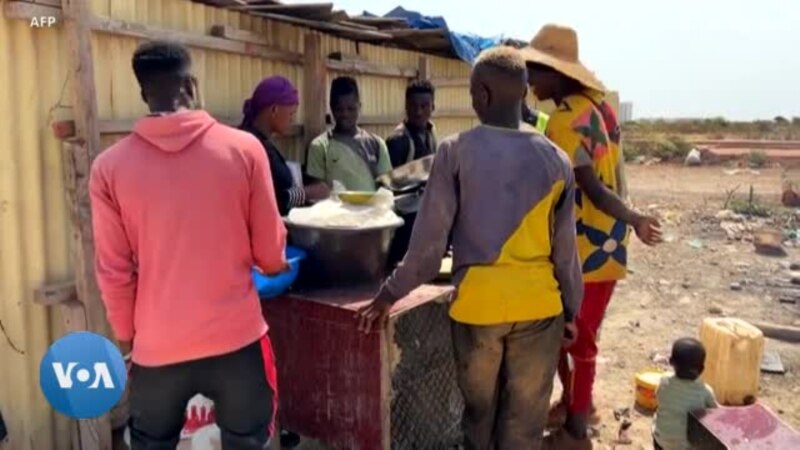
(570,334)
(126,347)
(376,311)
(648,229)
(317,191)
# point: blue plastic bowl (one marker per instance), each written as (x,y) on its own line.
(273,286)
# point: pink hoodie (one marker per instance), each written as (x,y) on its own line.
(182,209)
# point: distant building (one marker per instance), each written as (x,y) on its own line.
(625,112)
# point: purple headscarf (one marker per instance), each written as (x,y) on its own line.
(271,91)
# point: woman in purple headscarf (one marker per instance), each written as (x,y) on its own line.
(269,112)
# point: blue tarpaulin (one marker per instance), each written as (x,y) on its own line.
(466,46)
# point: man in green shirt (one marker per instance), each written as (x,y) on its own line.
(347,153)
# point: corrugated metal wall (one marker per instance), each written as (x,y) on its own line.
(34,236)
(227,79)
(36,89)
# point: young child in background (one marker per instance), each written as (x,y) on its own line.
(680,394)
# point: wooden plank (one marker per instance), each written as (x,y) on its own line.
(390,119)
(235,34)
(88,313)
(55,294)
(780,332)
(455,114)
(28,11)
(345,21)
(381,22)
(450,82)
(349,57)
(352,33)
(301,8)
(91,434)
(366,68)
(66,128)
(394,119)
(315,77)
(76,27)
(53,3)
(424,68)
(137,30)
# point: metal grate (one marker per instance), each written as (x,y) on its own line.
(426,403)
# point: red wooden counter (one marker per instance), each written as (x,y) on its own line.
(391,389)
(752,427)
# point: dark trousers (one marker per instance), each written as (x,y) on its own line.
(242,385)
(506,373)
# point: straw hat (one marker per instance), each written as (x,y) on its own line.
(556,47)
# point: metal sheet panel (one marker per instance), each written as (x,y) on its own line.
(34,239)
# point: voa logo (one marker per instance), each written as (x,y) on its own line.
(101,374)
(83,375)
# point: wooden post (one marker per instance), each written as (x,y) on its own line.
(94,434)
(83,151)
(315,80)
(424,70)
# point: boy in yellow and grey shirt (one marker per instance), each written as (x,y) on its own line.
(507,197)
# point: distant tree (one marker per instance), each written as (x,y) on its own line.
(781,120)
(796,121)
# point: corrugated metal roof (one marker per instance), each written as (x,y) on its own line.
(391,32)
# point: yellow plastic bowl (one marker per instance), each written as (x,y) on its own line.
(356,197)
(646,384)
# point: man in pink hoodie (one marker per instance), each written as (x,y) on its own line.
(183,208)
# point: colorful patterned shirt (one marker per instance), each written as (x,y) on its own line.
(506,196)
(577,126)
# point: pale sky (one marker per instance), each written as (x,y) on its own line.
(734,58)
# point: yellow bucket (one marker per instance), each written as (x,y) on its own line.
(646,384)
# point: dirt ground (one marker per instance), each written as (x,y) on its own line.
(674,286)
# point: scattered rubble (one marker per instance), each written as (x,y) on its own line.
(623,437)
(694,158)
(790,198)
(772,363)
(741,172)
(769,242)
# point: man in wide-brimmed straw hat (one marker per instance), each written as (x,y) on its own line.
(585,127)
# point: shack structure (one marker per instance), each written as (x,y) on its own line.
(69,92)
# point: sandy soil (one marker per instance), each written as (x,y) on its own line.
(673,287)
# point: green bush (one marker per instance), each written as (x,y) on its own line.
(632,150)
(757,159)
(751,206)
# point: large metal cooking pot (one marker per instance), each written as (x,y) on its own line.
(340,257)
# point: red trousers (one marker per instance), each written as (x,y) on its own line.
(579,380)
